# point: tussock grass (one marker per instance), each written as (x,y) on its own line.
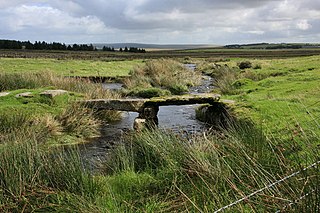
(223,76)
(32,179)
(48,79)
(77,120)
(159,171)
(74,120)
(48,117)
(164,74)
(204,173)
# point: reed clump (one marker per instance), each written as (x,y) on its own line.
(50,117)
(165,74)
(33,179)
(204,173)
(14,81)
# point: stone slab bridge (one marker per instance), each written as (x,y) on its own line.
(148,108)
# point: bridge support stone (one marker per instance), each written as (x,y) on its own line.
(148,118)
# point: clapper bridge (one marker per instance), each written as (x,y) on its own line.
(148,108)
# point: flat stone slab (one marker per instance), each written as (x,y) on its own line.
(131,105)
(184,100)
(53,93)
(2,94)
(24,95)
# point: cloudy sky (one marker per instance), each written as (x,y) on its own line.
(161,21)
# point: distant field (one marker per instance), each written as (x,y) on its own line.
(212,53)
(68,67)
(252,53)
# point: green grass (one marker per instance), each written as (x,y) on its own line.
(54,119)
(203,173)
(68,67)
(160,77)
(33,179)
(36,104)
(282,96)
(157,171)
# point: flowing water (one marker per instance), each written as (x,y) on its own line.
(180,119)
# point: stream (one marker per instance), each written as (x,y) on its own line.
(179,119)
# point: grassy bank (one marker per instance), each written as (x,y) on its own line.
(53,118)
(158,172)
(161,77)
(281,94)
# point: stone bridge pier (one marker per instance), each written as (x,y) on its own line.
(148,118)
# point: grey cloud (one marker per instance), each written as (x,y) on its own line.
(168,21)
(192,6)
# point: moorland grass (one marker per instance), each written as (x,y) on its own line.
(14,81)
(158,171)
(206,172)
(68,67)
(33,179)
(161,77)
(48,118)
(280,95)
(164,74)
(61,115)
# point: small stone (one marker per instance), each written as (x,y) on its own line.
(2,94)
(24,95)
(139,124)
(53,93)
(225,101)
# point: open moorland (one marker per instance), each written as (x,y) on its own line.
(194,53)
(262,156)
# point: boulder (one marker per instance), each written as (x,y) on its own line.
(53,93)
(2,94)
(24,95)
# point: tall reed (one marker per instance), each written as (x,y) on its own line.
(32,179)
(204,173)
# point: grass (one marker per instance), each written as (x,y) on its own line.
(50,118)
(161,74)
(32,179)
(83,68)
(55,118)
(204,173)
(282,88)
(14,81)
(157,171)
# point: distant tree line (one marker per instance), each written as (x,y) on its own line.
(110,49)
(284,46)
(267,46)
(42,45)
(38,45)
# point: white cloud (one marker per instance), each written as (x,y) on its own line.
(165,21)
(303,25)
(45,20)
